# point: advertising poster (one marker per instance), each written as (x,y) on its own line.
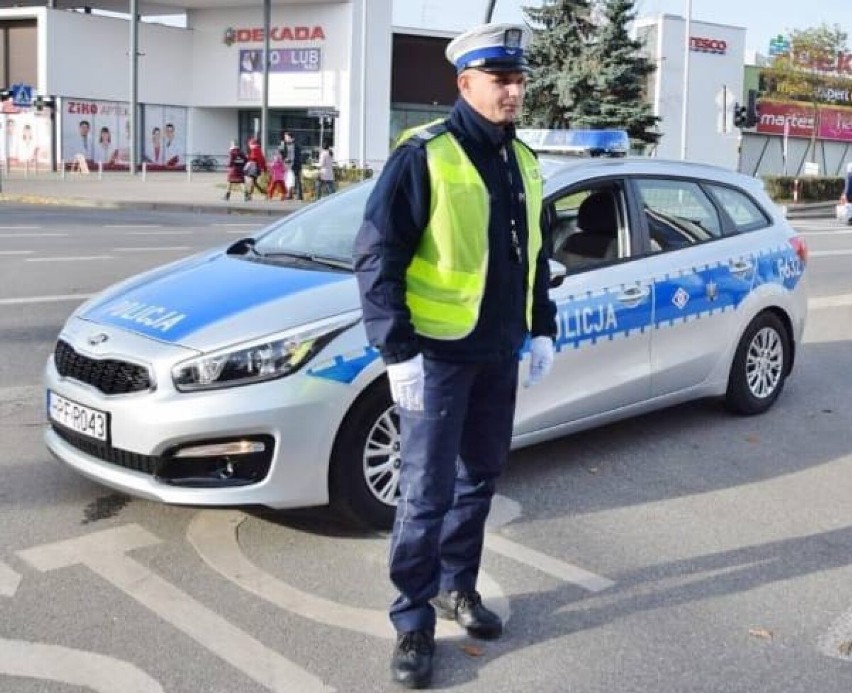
(831,122)
(302,61)
(25,138)
(164,141)
(99,132)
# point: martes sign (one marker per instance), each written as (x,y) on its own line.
(276,33)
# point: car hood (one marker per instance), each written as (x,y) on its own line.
(214,301)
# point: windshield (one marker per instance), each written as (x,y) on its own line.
(324,229)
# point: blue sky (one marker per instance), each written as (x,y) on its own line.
(763,19)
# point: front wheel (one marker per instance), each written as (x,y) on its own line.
(365,460)
(760,366)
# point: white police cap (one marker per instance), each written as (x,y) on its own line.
(491,47)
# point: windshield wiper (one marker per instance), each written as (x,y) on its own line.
(326,260)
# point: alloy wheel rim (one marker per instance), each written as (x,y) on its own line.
(764,363)
(382,458)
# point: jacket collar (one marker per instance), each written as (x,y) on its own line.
(471,125)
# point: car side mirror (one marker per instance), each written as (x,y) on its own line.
(558,272)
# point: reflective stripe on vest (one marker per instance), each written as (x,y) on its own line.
(446,278)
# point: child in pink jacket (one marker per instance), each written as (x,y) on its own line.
(276,178)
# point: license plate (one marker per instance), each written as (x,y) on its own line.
(91,423)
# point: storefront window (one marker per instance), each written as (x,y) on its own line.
(308,131)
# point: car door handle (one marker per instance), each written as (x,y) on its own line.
(634,294)
(740,266)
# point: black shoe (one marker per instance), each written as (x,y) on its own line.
(411,665)
(467,610)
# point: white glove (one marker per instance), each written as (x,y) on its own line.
(406,383)
(541,359)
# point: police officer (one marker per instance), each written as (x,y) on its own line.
(453,277)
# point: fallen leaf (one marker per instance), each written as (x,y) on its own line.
(751,438)
(472,650)
(845,648)
(760,633)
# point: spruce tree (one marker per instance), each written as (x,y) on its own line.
(559,79)
(586,70)
(622,74)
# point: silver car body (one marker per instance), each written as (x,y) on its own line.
(648,332)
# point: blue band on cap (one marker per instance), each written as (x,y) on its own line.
(490,52)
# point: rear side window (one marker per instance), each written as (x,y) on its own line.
(678,213)
(744,212)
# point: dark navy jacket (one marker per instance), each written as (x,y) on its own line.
(396,215)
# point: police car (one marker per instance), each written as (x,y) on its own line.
(243,375)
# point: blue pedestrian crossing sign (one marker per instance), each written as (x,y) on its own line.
(22,95)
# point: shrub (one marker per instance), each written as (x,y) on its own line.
(811,188)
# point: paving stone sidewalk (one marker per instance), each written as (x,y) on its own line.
(178,191)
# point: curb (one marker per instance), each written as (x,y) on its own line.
(194,207)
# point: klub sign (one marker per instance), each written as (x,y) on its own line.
(276,33)
(831,122)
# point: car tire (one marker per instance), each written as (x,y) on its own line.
(364,489)
(760,367)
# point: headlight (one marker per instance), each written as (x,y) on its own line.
(264,359)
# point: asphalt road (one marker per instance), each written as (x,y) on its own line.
(686,550)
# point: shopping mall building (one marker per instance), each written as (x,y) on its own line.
(357,71)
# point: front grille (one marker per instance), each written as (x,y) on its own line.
(147,464)
(110,376)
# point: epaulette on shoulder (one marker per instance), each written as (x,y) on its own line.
(419,136)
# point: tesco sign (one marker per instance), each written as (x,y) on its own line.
(701,44)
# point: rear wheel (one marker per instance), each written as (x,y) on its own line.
(760,366)
(365,460)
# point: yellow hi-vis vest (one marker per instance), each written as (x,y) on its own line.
(446,278)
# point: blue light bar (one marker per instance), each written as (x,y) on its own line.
(577,142)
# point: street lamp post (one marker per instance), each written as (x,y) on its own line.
(489,10)
(685,108)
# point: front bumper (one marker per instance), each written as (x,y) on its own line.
(297,416)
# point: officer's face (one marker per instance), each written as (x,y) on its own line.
(497,96)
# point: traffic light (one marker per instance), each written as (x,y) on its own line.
(740,116)
(751,110)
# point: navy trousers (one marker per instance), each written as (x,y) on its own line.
(452,453)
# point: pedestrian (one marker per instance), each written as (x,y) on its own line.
(453,278)
(846,197)
(276,178)
(293,159)
(255,167)
(325,175)
(236,171)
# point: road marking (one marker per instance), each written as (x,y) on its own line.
(827,253)
(151,248)
(842,232)
(16,252)
(76,667)
(9,581)
(132,226)
(547,564)
(32,235)
(20,226)
(68,259)
(158,233)
(105,553)
(835,642)
(213,534)
(505,510)
(44,299)
(838,301)
(236,224)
